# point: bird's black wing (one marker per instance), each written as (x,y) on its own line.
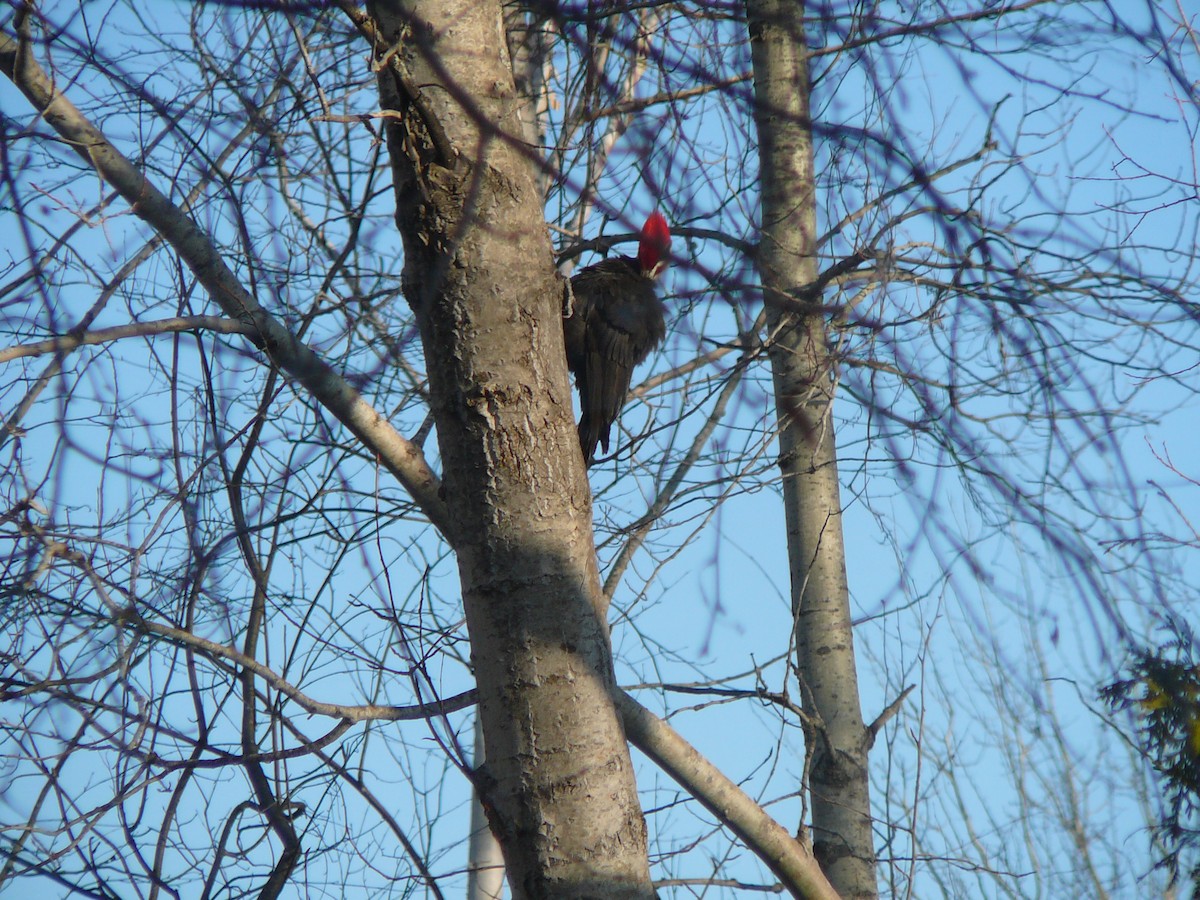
(618,320)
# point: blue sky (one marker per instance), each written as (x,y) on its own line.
(958,595)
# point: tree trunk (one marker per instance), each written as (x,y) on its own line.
(803,374)
(558,784)
(485,860)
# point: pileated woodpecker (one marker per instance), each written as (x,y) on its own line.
(615,321)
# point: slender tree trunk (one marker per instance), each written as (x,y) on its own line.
(485,860)
(803,375)
(558,784)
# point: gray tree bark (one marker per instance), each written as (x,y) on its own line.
(804,384)
(558,783)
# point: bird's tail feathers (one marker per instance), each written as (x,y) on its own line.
(591,432)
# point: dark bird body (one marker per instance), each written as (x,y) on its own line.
(615,321)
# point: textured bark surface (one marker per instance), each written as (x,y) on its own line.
(804,390)
(558,785)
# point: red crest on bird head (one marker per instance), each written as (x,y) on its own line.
(653,246)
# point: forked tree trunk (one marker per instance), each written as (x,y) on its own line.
(804,391)
(478,271)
